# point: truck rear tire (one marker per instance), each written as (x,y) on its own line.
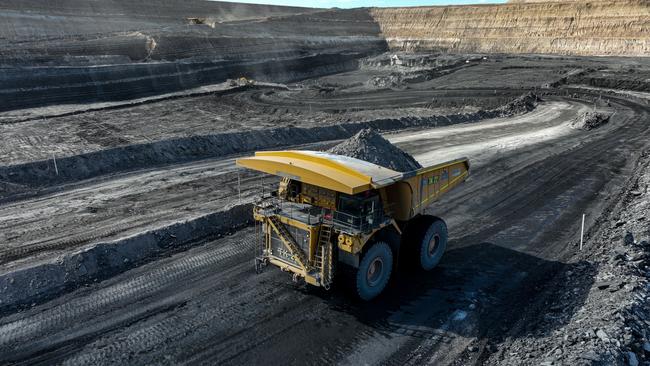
(374,271)
(433,244)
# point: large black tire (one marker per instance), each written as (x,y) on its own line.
(433,244)
(374,271)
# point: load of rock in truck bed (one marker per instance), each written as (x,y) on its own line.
(370,146)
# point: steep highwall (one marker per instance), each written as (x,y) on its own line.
(29,20)
(159,52)
(619,28)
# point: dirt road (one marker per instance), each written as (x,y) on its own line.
(512,227)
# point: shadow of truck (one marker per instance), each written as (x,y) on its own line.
(479,290)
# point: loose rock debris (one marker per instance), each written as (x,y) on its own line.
(590,120)
(370,146)
(525,103)
(612,325)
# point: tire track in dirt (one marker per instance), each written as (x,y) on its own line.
(16,334)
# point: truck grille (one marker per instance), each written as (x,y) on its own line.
(278,249)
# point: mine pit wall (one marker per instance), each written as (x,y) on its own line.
(122,50)
(33,19)
(90,65)
(41,86)
(594,28)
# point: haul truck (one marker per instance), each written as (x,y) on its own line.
(335,213)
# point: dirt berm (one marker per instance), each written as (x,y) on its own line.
(370,146)
(50,277)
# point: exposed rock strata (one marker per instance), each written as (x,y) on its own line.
(575,28)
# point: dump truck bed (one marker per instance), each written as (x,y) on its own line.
(424,186)
(407,194)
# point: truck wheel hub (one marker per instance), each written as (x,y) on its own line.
(433,244)
(375,270)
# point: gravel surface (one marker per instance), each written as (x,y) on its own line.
(600,308)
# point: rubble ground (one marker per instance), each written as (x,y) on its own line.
(612,324)
(209,291)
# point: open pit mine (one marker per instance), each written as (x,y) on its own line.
(204,182)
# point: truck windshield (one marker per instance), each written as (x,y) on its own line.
(360,213)
(350,205)
(357,206)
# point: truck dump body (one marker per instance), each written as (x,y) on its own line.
(409,192)
(336,172)
(416,190)
(330,207)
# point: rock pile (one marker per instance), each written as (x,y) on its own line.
(589,120)
(399,80)
(393,80)
(523,104)
(370,146)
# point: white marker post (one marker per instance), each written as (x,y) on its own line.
(239,186)
(582,230)
(56,169)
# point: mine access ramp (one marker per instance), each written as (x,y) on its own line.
(336,213)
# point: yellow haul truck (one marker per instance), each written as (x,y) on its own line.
(332,212)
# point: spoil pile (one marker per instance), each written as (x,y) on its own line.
(370,146)
(589,120)
(399,80)
(523,104)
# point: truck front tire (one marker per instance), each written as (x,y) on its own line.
(433,244)
(374,270)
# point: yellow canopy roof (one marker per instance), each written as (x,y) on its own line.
(335,172)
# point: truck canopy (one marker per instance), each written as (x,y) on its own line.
(406,194)
(336,172)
